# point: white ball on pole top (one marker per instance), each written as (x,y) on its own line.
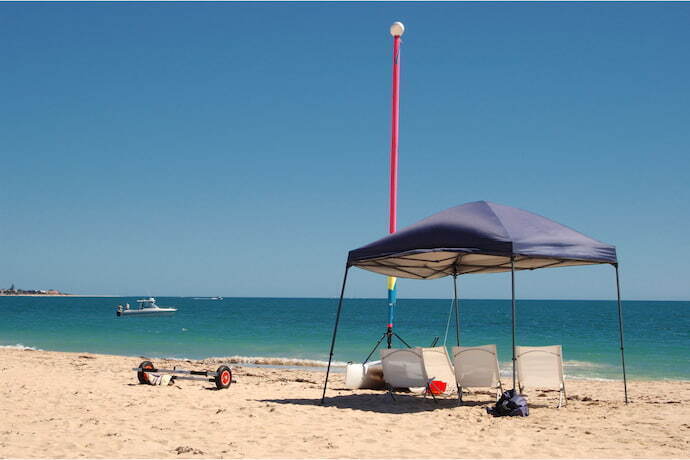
(397,29)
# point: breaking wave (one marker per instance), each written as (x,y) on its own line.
(249,360)
(271,361)
(19,346)
(268,361)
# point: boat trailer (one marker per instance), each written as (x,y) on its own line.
(222,377)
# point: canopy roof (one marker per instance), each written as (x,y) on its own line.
(479,237)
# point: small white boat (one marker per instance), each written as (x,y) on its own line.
(147,307)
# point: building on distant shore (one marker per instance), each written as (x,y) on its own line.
(14,291)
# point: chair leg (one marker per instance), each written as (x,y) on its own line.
(521,390)
(562,398)
(390,392)
(565,397)
(499,390)
(428,390)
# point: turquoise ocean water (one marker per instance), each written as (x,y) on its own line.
(657,333)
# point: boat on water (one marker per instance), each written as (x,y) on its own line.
(147,307)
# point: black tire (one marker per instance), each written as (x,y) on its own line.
(142,376)
(223,377)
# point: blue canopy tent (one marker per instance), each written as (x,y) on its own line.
(479,237)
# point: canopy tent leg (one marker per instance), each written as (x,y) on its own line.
(620,329)
(512,286)
(335,331)
(457,324)
(457,309)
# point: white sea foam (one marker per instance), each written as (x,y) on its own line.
(260,361)
(272,361)
(248,360)
(19,346)
(585,364)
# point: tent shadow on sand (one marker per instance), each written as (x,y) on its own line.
(380,403)
(383,404)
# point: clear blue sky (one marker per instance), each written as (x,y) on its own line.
(242,149)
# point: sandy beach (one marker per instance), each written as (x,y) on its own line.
(83,405)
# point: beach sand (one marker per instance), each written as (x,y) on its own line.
(83,405)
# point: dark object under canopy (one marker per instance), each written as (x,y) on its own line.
(479,237)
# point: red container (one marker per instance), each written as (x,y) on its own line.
(437,387)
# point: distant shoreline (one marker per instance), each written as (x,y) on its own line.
(36,295)
(55,295)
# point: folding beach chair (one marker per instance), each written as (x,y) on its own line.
(439,368)
(476,367)
(404,368)
(541,367)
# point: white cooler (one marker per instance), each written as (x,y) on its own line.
(364,376)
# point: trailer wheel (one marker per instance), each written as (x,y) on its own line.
(223,377)
(143,376)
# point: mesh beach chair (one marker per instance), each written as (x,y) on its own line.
(439,368)
(404,368)
(541,367)
(476,367)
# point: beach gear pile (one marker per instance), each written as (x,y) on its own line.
(159,379)
(510,404)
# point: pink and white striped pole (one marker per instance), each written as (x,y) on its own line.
(397,29)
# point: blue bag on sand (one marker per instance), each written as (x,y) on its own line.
(510,404)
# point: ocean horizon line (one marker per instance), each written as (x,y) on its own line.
(211,297)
